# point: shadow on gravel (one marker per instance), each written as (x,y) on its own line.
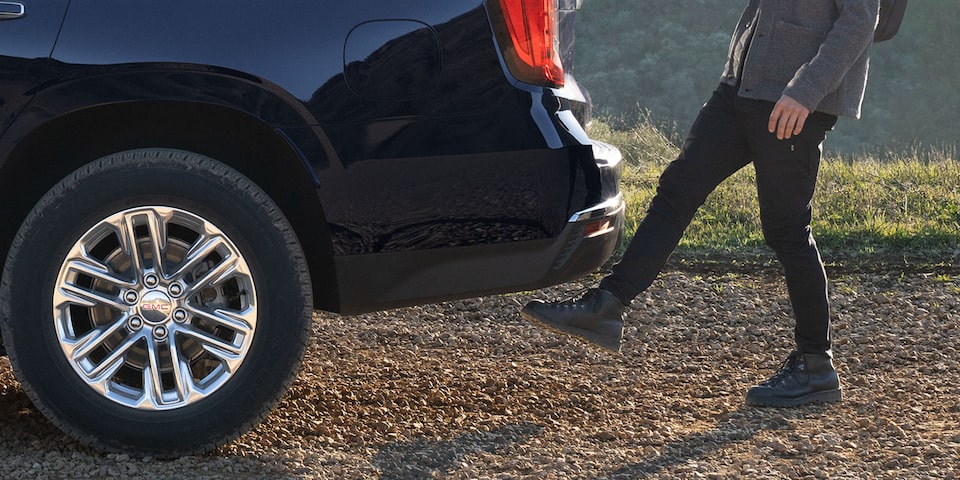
(837,262)
(21,424)
(426,458)
(734,427)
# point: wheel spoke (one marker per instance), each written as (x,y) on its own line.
(239,321)
(229,360)
(152,383)
(157,228)
(111,361)
(79,349)
(156,225)
(183,377)
(224,270)
(106,372)
(209,341)
(93,268)
(69,293)
(128,242)
(152,374)
(184,380)
(200,250)
(230,355)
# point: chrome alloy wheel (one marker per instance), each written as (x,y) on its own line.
(155,308)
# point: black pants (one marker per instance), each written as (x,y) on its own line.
(729,133)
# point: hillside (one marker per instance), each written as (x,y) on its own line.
(664,57)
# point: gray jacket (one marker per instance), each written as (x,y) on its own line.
(815,51)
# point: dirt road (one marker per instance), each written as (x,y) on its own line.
(468,390)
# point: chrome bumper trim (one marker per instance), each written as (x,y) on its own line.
(608,208)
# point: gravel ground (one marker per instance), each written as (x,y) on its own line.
(468,390)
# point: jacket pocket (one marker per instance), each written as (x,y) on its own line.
(792,47)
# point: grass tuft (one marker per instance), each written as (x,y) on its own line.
(895,204)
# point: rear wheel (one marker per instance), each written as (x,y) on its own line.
(156,301)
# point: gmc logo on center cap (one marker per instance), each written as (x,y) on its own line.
(157,306)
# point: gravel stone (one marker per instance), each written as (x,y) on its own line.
(467,389)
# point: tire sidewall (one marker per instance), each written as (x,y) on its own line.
(197,185)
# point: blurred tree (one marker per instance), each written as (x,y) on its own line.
(664,57)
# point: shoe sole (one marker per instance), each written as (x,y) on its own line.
(578,333)
(828,396)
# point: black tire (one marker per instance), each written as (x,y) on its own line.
(239,336)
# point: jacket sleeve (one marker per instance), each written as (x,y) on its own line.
(850,36)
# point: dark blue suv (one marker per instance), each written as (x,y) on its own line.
(182,183)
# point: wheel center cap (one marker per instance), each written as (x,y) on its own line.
(155,307)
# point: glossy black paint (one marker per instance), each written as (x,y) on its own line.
(25,44)
(392,60)
(396,131)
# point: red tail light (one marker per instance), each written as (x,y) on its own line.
(527,31)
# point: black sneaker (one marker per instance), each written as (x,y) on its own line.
(803,378)
(595,317)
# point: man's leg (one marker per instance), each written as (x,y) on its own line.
(715,148)
(786,179)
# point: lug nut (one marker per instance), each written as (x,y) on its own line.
(131,297)
(160,332)
(151,280)
(135,323)
(175,289)
(179,315)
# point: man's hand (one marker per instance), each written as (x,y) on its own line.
(787,118)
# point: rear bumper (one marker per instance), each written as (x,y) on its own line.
(589,239)
(381,281)
(609,161)
(390,280)
(397,279)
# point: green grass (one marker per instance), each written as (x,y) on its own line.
(897,204)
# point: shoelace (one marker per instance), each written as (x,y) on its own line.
(582,296)
(788,369)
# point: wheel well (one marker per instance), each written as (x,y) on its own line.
(255,149)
